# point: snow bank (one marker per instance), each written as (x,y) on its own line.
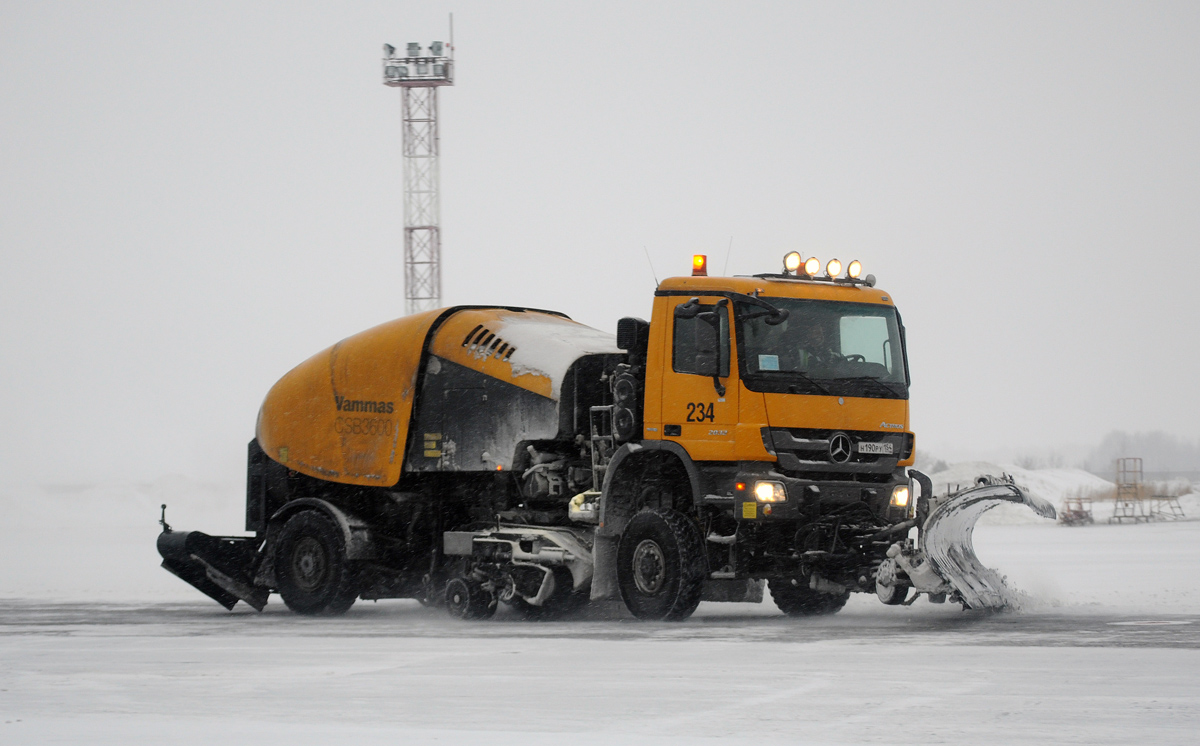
(1052,485)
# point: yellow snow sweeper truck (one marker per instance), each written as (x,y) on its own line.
(754,432)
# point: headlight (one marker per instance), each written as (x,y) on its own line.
(900,496)
(769,492)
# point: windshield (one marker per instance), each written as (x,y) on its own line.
(823,347)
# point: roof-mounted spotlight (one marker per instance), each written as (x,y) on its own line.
(869,281)
(812,266)
(833,269)
(854,269)
(414,49)
(389,51)
(436,48)
(791,262)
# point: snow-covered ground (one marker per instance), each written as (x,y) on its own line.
(305,683)
(99,645)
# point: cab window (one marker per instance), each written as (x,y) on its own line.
(688,337)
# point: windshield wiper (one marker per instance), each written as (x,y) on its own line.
(788,374)
(774,315)
(872,379)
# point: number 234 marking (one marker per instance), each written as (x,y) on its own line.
(700,412)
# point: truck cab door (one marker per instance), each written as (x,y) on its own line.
(699,384)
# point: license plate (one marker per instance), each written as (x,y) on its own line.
(885,448)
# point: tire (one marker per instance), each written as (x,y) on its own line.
(889,587)
(800,600)
(661,565)
(892,595)
(563,602)
(312,572)
(467,599)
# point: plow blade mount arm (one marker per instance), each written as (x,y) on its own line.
(946,550)
(220,567)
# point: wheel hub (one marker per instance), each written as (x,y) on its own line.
(309,564)
(649,567)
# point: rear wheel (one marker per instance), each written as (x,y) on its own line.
(800,600)
(312,572)
(661,565)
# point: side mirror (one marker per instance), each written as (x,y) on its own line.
(632,334)
(689,310)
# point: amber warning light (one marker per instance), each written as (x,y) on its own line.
(699,265)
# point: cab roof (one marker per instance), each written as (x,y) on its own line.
(775,286)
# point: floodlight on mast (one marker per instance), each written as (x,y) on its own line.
(418,76)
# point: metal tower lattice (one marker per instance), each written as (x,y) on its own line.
(418,76)
(1130,501)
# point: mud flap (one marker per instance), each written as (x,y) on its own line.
(945,560)
(220,567)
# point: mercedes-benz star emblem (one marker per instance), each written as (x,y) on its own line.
(840,448)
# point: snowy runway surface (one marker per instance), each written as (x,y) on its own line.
(395,672)
(100,646)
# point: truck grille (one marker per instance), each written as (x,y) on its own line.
(844,455)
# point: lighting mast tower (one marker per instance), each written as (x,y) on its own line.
(418,76)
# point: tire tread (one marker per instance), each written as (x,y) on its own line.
(692,566)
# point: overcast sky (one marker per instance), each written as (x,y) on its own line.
(194,197)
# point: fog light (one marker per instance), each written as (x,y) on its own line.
(900,496)
(769,492)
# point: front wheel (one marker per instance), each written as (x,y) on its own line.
(800,600)
(890,587)
(661,565)
(311,569)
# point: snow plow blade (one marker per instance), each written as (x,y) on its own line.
(220,567)
(944,562)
